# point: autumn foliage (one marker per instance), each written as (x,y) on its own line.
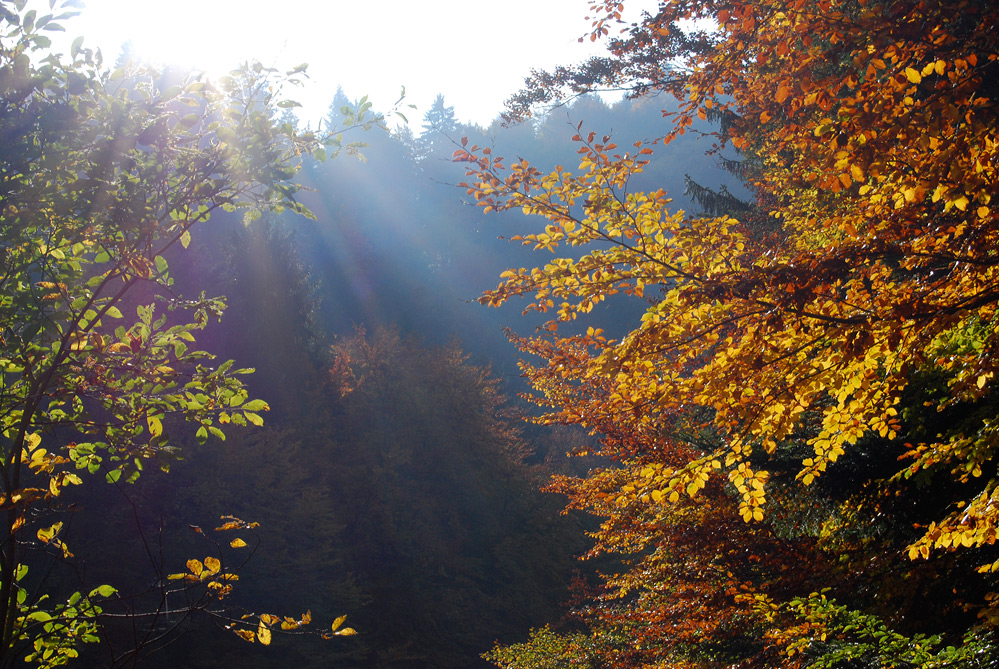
(804,417)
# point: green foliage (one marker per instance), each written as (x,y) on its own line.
(104,174)
(835,636)
(544,650)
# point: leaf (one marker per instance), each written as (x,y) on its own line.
(47,534)
(256,405)
(155,426)
(213,565)
(263,634)
(195,566)
(337,622)
(237,543)
(103,591)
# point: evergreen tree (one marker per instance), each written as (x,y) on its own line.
(440,130)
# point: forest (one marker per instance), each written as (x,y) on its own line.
(704,377)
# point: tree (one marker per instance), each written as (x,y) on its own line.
(102,175)
(838,362)
(439,130)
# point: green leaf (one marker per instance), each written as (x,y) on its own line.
(255,405)
(103,591)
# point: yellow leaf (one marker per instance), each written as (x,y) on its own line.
(245,635)
(263,634)
(347,631)
(47,534)
(338,622)
(237,543)
(213,565)
(195,566)
(155,426)
(913,75)
(961,202)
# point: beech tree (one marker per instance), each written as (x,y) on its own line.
(102,175)
(806,366)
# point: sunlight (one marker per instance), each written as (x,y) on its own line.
(210,36)
(475,53)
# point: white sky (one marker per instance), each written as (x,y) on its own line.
(475,52)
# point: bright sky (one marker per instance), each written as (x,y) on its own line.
(475,52)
